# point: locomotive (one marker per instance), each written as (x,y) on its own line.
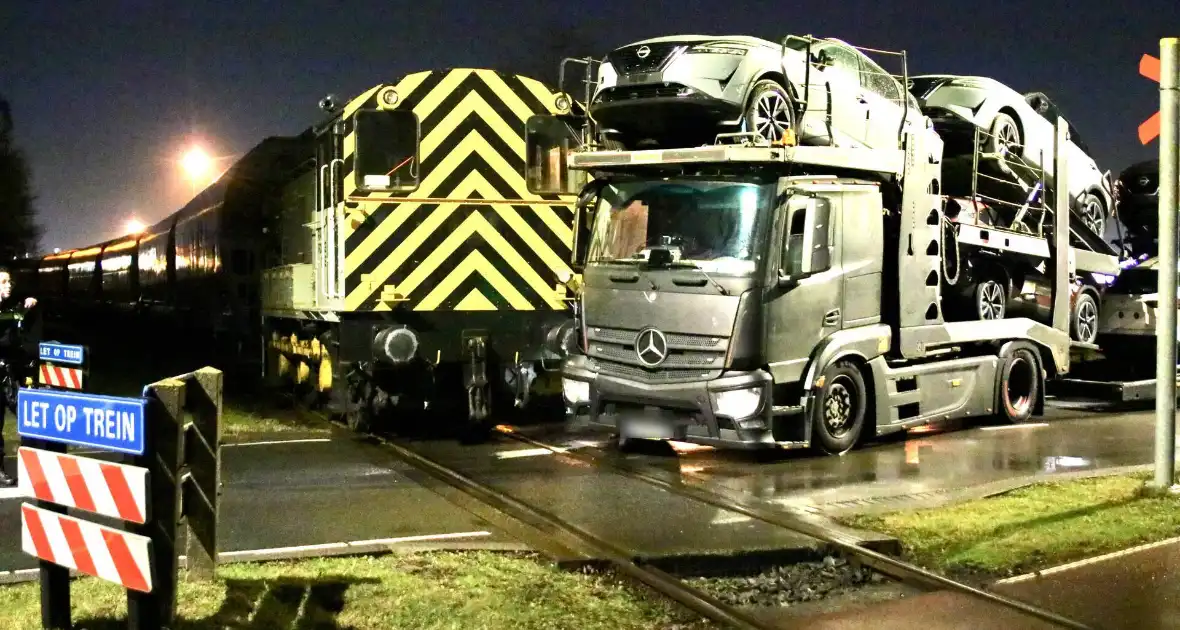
(410,254)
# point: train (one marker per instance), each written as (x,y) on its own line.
(406,258)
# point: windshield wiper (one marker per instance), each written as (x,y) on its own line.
(696,267)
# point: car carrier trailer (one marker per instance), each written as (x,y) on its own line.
(814,319)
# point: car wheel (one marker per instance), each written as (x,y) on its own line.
(1084,320)
(1092,211)
(770,111)
(1005,136)
(990,301)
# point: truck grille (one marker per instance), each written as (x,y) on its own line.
(690,357)
(625,61)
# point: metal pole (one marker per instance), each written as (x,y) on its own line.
(1165,326)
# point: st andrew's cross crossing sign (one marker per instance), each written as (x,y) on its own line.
(1150,129)
(103,422)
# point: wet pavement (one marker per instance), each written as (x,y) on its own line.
(928,611)
(924,466)
(645,520)
(1137,588)
(296,493)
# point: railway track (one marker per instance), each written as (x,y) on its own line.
(574,538)
(895,568)
(900,570)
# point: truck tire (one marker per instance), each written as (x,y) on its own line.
(838,416)
(1019,385)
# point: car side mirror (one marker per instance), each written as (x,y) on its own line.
(821,59)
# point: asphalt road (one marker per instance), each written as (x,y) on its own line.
(925,466)
(279,494)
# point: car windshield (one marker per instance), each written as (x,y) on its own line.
(920,86)
(1043,105)
(713,225)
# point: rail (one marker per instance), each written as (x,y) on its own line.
(869,74)
(898,569)
(659,580)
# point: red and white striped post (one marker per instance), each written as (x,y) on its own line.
(54,576)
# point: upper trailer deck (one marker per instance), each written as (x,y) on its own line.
(887,162)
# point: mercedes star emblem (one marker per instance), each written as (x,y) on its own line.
(643,52)
(651,346)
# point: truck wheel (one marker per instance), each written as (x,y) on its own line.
(1020,382)
(1084,320)
(839,414)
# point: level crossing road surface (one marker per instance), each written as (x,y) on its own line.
(926,467)
(292,492)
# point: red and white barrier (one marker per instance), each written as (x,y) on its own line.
(86,547)
(93,485)
(70,378)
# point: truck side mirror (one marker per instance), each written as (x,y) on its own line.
(584,213)
(806,247)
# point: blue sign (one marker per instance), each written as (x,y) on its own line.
(103,422)
(61,353)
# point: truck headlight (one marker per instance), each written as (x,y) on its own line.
(575,392)
(738,403)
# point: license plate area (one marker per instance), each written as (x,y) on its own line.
(640,78)
(651,423)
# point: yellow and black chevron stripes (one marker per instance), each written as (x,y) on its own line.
(471,236)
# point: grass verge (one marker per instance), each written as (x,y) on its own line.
(419,591)
(242,420)
(1031,528)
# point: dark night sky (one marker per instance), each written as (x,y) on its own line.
(107,93)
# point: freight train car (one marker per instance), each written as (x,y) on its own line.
(188,280)
(410,252)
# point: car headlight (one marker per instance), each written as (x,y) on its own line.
(738,403)
(718,49)
(575,392)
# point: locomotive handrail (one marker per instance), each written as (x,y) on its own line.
(333,238)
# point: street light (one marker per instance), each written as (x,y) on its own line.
(134,226)
(196,164)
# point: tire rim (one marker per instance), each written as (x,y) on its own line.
(771,116)
(1008,137)
(991,301)
(1092,215)
(838,406)
(1087,321)
(1018,389)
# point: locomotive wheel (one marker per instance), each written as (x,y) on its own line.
(359,413)
(838,413)
(1019,385)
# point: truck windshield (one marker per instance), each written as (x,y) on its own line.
(710,224)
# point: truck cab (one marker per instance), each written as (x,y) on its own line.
(745,296)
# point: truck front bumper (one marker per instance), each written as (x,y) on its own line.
(732,411)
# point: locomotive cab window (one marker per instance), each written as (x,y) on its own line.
(387,150)
(548,141)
